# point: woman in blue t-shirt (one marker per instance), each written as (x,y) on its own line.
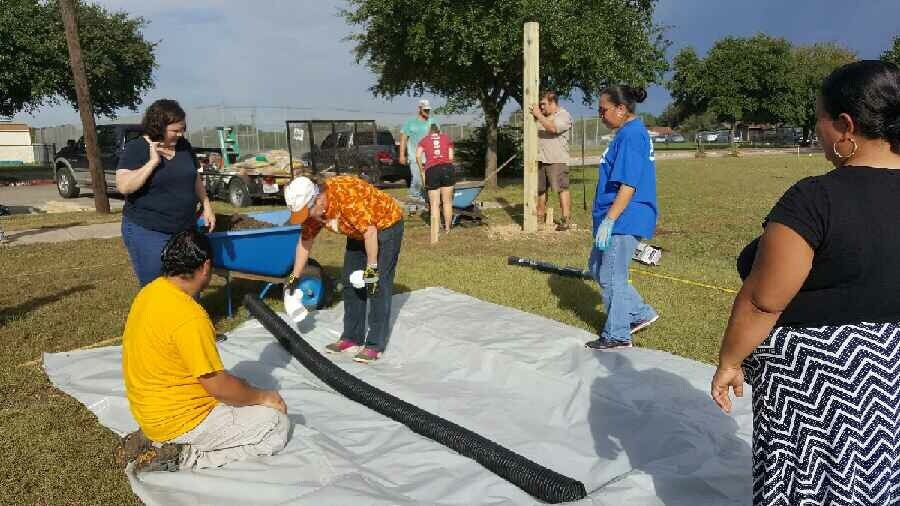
(157,173)
(624,212)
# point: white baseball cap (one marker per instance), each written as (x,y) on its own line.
(425,104)
(300,196)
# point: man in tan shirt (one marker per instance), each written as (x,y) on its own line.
(554,125)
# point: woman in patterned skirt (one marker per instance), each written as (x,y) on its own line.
(816,324)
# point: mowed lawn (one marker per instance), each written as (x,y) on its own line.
(59,297)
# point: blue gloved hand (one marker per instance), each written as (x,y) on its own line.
(604,234)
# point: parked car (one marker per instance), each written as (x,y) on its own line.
(707,136)
(70,164)
(72,173)
(676,137)
(372,155)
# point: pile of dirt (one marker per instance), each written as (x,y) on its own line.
(237,221)
(546,233)
(276,162)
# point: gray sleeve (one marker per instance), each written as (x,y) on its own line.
(563,121)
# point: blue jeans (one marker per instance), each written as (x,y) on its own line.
(379,305)
(415,182)
(623,305)
(144,247)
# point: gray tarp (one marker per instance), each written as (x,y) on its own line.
(636,426)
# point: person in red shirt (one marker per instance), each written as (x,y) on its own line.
(435,156)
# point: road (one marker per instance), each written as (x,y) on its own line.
(43,198)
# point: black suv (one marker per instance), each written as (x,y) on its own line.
(70,165)
(373,157)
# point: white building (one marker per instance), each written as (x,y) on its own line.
(15,144)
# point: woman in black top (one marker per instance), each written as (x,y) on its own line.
(157,173)
(816,324)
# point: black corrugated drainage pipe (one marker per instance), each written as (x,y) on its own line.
(542,483)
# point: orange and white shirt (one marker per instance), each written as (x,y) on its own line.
(352,205)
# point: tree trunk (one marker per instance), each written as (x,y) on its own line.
(491,120)
(85,108)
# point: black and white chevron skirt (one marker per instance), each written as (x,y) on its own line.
(826,416)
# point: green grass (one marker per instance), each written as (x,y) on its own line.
(59,297)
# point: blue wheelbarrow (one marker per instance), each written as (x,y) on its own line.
(465,212)
(267,254)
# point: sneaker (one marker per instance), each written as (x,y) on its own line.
(367,355)
(164,458)
(131,446)
(641,325)
(342,345)
(603,344)
(564,224)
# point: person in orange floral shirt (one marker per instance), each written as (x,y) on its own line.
(373,223)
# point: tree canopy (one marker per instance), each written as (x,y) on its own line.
(757,79)
(741,79)
(811,65)
(893,53)
(34,60)
(470,51)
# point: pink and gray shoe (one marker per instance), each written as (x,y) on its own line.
(367,355)
(342,346)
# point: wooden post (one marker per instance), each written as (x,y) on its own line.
(531,82)
(85,108)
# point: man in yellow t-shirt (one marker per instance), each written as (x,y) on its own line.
(191,412)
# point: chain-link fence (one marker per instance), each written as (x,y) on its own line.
(257,128)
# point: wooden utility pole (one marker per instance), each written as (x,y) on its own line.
(85,108)
(529,128)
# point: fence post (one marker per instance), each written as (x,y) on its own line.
(531,81)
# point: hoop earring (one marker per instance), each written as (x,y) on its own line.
(845,158)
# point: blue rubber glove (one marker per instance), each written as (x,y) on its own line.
(604,234)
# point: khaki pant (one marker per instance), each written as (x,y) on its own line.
(228,434)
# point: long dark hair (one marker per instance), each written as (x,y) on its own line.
(159,115)
(628,96)
(869,92)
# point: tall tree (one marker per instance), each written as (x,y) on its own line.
(672,115)
(810,65)
(83,94)
(893,54)
(748,79)
(34,61)
(687,85)
(470,51)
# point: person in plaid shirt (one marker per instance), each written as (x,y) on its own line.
(373,223)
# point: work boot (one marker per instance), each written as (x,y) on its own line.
(564,224)
(164,458)
(131,446)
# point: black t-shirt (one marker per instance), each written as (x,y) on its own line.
(168,200)
(851,219)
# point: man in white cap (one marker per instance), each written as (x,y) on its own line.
(411,134)
(373,223)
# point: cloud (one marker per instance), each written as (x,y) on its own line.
(295,53)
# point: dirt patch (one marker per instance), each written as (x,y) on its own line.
(512,232)
(237,221)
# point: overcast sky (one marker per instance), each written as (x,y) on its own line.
(293,53)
